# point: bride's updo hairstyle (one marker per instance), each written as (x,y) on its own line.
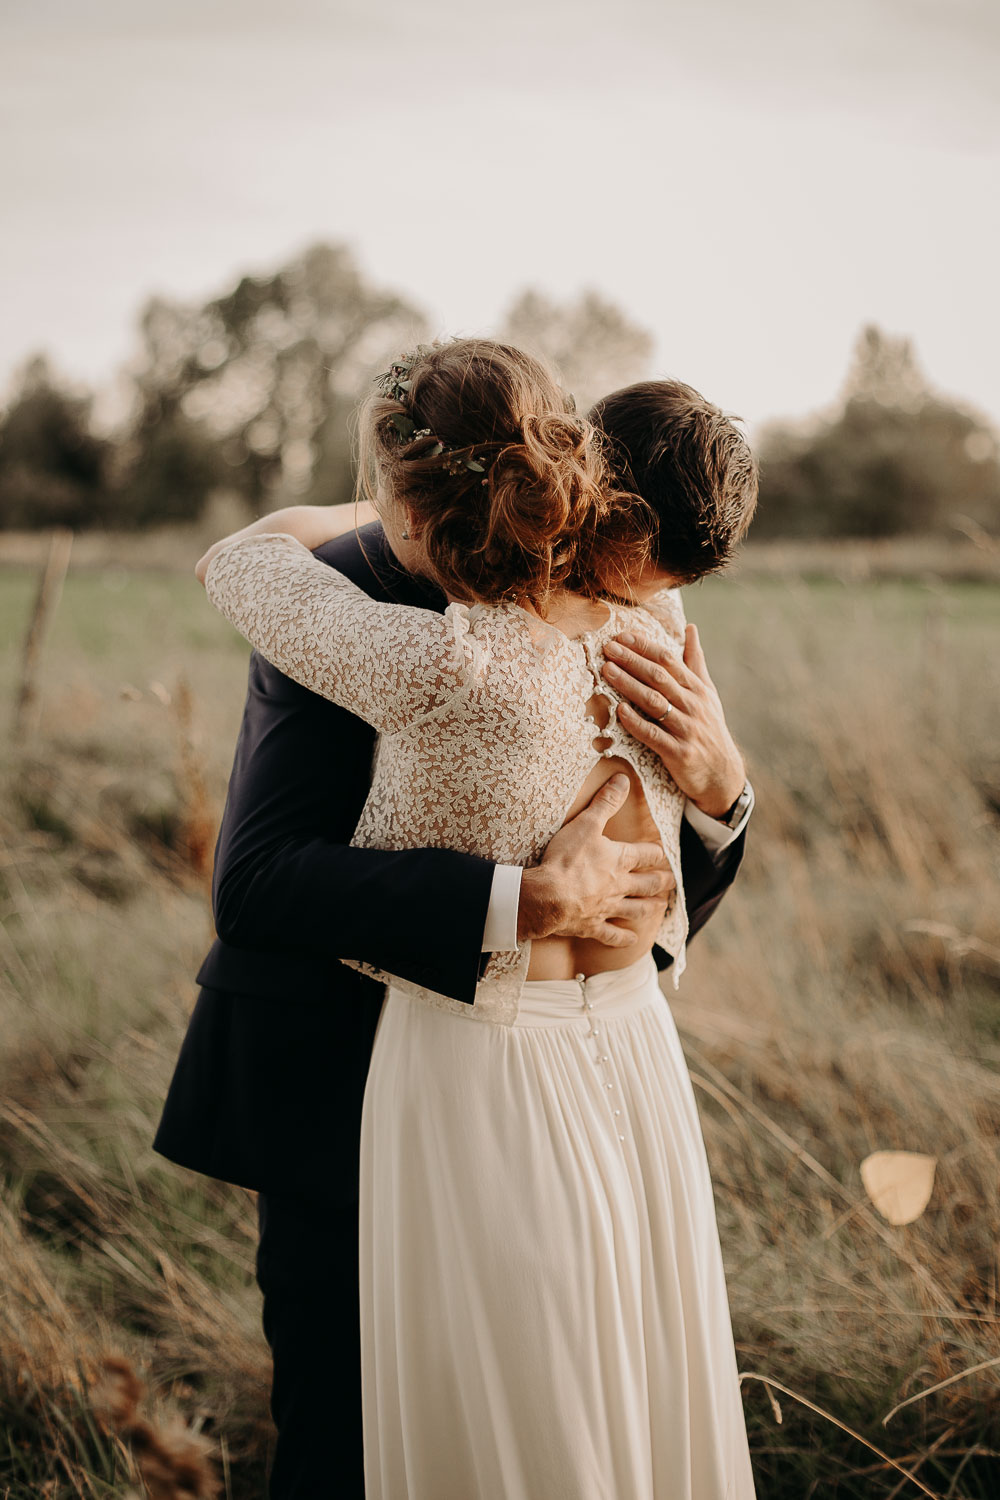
(506,488)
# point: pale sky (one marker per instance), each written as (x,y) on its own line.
(750,181)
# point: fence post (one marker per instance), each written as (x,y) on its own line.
(27,710)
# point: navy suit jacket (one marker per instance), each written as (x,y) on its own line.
(268,1087)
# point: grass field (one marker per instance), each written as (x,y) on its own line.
(846,999)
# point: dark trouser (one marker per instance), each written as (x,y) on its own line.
(307,1269)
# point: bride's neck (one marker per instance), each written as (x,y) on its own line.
(572,613)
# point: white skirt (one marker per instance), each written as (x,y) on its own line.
(543,1304)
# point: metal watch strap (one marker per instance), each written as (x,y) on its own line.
(730,818)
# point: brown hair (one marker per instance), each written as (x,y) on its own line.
(692,466)
(509,491)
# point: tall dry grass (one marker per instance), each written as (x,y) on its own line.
(846,999)
(849,1001)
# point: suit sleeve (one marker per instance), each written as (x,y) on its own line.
(418,913)
(707,876)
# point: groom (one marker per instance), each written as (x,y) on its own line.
(268,1088)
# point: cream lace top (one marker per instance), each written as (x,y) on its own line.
(485,737)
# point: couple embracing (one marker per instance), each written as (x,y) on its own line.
(483,789)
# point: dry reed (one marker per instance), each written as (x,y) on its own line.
(845,1000)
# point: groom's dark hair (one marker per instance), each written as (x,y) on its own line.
(690,463)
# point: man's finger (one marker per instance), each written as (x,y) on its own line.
(654,703)
(648,884)
(638,913)
(643,644)
(658,667)
(608,799)
(656,737)
(648,856)
(694,656)
(615,937)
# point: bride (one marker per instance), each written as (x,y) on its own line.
(544,1309)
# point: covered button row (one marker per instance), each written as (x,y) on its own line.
(595,1031)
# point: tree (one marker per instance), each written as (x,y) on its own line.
(333,477)
(53,467)
(894,457)
(591,342)
(884,369)
(169,466)
(265,365)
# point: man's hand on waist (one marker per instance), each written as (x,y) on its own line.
(586,879)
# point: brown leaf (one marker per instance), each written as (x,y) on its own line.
(899,1183)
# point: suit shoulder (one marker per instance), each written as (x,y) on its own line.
(366,558)
(360,556)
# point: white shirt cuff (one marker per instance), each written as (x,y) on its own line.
(500,932)
(713,834)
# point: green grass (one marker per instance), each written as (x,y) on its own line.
(845,999)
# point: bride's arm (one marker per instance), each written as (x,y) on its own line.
(312,525)
(388,663)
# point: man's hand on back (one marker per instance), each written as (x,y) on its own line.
(585,879)
(673,707)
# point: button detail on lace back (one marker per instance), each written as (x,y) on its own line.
(486,737)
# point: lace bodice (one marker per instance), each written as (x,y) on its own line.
(485,735)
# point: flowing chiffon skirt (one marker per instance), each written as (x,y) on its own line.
(543,1304)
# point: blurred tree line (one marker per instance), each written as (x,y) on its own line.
(252,394)
(893,456)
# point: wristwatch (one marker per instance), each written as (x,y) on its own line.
(731,819)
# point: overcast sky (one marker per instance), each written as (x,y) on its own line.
(750,179)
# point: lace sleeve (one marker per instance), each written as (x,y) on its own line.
(388,663)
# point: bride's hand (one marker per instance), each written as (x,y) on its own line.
(681,717)
(312,525)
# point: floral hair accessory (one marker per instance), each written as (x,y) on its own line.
(395,384)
